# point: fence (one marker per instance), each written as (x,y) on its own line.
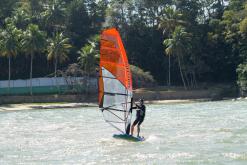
(48,85)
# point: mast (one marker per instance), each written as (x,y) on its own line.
(115,81)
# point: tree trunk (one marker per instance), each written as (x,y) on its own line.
(181,73)
(194,78)
(56,73)
(55,66)
(31,74)
(9,75)
(122,13)
(87,83)
(169,71)
(87,77)
(187,81)
(192,81)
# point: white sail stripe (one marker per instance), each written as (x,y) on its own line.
(111,84)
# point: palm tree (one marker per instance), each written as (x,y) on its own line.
(58,49)
(89,56)
(170,20)
(178,45)
(168,23)
(21,17)
(9,44)
(54,15)
(33,42)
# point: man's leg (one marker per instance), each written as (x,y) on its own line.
(138,130)
(133,126)
(138,127)
(128,129)
(132,129)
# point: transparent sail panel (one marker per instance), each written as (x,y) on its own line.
(111,84)
(116,102)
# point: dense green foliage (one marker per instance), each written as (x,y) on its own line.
(57,50)
(242,78)
(141,78)
(177,41)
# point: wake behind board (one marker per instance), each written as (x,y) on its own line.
(128,137)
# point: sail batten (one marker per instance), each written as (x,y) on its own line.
(115,82)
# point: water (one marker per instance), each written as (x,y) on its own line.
(197,133)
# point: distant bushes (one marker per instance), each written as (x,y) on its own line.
(242,78)
(141,78)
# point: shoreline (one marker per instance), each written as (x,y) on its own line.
(40,106)
(157,95)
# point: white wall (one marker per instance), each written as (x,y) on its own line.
(48,82)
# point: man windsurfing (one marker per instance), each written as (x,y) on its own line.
(140,115)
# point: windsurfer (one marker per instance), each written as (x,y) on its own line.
(140,115)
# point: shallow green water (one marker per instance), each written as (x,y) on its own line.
(198,133)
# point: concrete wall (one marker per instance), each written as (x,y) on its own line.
(48,85)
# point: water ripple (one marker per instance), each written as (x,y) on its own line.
(197,133)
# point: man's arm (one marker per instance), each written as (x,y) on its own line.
(136,107)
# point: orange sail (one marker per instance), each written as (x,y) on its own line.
(115,81)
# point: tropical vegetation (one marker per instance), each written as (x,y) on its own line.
(178,42)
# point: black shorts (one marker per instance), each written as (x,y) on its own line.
(138,120)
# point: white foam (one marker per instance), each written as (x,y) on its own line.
(153,139)
(236,156)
